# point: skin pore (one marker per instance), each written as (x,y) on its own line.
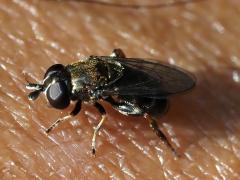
(203,125)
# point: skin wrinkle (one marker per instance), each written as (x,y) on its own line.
(200,37)
(139,5)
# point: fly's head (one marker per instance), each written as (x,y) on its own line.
(56,85)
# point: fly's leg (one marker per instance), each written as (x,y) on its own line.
(153,124)
(74,112)
(118,53)
(152,106)
(97,128)
(55,124)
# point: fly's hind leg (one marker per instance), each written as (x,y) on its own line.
(153,124)
(97,128)
(155,108)
(147,107)
(118,53)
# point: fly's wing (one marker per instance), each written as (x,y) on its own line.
(149,79)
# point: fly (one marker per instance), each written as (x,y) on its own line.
(133,86)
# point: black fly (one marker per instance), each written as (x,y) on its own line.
(132,86)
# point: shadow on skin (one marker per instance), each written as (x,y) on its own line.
(208,112)
(139,6)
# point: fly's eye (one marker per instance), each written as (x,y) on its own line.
(58,96)
(53,69)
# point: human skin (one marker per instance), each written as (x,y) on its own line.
(203,125)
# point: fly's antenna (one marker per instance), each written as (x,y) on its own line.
(37,89)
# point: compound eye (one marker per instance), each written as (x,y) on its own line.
(58,96)
(53,69)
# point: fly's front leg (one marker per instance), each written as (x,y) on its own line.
(118,53)
(97,128)
(74,112)
(153,124)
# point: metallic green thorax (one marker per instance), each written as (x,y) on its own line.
(92,74)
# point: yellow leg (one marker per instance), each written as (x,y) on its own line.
(96,129)
(55,124)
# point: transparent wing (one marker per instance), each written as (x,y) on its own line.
(149,79)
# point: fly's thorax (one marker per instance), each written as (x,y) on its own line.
(83,77)
(87,76)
